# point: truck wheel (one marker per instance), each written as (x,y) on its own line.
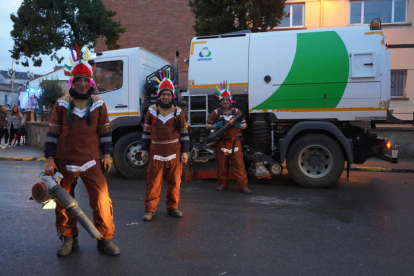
(127,156)
(315,161)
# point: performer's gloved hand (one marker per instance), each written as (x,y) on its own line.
(218,125)
(50,166)
(184,157)
(144,156)
(237,125)
(106,163)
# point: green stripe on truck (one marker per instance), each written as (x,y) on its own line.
(318,76)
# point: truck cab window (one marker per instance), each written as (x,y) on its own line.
(108,75)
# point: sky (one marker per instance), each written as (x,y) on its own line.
(8,7)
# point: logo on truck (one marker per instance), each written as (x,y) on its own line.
(205,54)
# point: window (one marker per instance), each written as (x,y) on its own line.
(389,11)
(398,78)
(294,18)
(108,75)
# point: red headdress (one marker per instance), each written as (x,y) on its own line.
(166,83)
(80,68)
(224,91)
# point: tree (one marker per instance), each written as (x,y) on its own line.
(42,27)
(222,16)
(52,91)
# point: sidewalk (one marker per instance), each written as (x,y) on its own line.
(22,153)
(31,153)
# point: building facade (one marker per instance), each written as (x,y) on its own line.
(164,27)
(57,74)
(9,84)
(6,96)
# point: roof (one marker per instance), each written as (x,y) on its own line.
(57,68)
(19,75)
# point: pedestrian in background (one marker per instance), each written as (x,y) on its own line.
(3,127)
(16,122)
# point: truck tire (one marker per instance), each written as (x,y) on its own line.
(127,156)
(315,161)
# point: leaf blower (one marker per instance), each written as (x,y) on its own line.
(213,138)
(48,188)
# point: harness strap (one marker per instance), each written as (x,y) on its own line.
(155,120)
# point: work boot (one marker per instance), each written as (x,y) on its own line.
(175,213)
(108,247)
(246,191)
(221,188)
(148,216)
(68,244)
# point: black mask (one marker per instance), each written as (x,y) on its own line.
(163,105)
(80,96)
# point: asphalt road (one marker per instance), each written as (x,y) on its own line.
(362,227)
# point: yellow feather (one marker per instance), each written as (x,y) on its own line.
(86,54)
(71,62)
(157,79)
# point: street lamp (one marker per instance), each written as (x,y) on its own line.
(11,72)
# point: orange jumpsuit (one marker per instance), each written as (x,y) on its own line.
(76,148)
(229,148)
(166,137)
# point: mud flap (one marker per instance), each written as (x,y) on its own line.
(188,172)
(391,155)
(348,168)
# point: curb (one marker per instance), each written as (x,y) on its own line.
(376,169)
(371,169)
(382,170)
(360,169)
(22,158)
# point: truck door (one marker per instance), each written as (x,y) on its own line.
(112,85)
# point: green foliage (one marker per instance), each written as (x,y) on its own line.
(222,16)
(42,27)
(52,91)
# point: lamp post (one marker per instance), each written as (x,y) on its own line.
(12,77)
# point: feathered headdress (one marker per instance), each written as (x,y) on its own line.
(224,91)
(166,83)
(80,68)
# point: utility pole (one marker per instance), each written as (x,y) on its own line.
(12,77)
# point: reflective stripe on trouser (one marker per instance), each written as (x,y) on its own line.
(155,176)
(99,201)
(237,166)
